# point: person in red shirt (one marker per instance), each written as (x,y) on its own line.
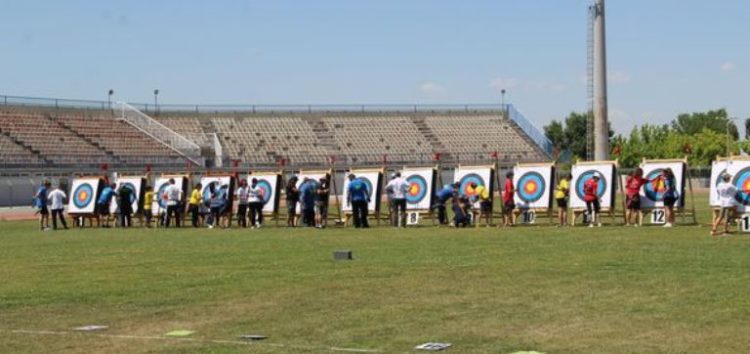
(508,204)
(633,185)
(591,198)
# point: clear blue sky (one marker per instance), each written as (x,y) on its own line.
(665,56)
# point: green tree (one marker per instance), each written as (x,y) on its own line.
(694,123)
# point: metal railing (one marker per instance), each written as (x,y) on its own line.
(532,131)
(160,132)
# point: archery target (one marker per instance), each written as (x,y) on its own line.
(652,193)
(84,196)
(159,203)
(314,175)
(224,185)
(421,182)
(718,168)
(481,175)
(741,181)
(606,189)
(533,185)
(135,184)
(373,181)
(268,183)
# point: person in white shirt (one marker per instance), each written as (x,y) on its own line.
(255,203)
(173,195)
(56,200)
(242,195)
(397,189)
(727,193)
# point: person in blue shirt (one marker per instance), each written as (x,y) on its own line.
(217,203)
(40,203)
(358,197)
(461,211)
(102,204)
(308,189)
(441,198)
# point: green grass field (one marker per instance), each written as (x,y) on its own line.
(553,290)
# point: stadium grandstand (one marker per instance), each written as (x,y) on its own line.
(68,134)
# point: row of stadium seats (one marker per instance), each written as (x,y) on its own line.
(11,153)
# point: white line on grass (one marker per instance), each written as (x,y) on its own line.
(199,340)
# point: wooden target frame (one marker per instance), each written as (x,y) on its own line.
(550,193)
(573,213)
(79,218)
(423,212)
(332,185)
(276,199)
(683,211)
(715,209)
(139,215)
(494,183)
(187,188)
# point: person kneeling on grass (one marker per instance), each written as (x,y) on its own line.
(461,210)
(727,192)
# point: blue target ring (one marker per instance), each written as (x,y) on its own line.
(83,195)
(265,189)
(654,190)
(741,181)
(531,187)
(584,177)
(464,185)
(160,195)
(417,189)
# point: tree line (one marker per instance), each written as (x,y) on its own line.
(701,136)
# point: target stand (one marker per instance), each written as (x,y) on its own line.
(483,175)
(270,183)
(608,185)
(652,194)
(739,168)
(136,184)
(84,194)
(534,192)
(420,195)
(317,175)
(159,204)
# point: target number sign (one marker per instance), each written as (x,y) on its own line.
(745,223)
(658,216)
(528,217)
(412,218)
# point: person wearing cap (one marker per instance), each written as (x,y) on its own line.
(591,197)
(508,203)
(40,203)
(397,189)
(727,193)
(441,198)
(358,197)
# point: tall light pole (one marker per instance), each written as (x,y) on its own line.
(601,125)
(156,101)
(502,100)
(109,98)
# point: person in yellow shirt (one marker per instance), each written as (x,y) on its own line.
(482,194)
(562,190)
(148,200)
(194,204)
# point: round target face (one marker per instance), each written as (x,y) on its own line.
(742,183)
(583,178)
(161,197)
(265,190)
(83,195)
(218,188)
(531,187)
(417,189)
(654,190)
(464,185)
(131,187)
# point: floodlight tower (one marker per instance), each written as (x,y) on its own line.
(598,80)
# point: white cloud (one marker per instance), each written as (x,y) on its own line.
(619,77)
(727,67)
(431,88)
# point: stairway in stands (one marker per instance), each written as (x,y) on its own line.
(26,147)
(61,123)
(324,135)
(437,145)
